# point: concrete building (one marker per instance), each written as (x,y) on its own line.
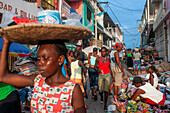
(161,27)
(146,25)
(118,34)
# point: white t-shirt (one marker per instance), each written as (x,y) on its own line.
(137,56)
(111,56)
(155,79)
(151,93)
(75,70)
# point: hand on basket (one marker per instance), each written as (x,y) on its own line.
(6,41)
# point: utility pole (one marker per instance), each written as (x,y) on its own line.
(95,27)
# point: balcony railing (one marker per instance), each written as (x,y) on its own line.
(159,11)
(66,6)
(46,5)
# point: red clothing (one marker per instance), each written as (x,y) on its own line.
(153,103)
(104,66)
(55,99)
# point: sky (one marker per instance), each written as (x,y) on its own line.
(126,13)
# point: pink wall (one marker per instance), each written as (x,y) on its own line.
(77,6)
(167,4)
(167,23)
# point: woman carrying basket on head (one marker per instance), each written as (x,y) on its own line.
(52,91)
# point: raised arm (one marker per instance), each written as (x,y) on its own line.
(13,79)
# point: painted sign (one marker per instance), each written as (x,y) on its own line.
(20,8)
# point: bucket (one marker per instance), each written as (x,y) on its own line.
(64,22)
(49,16)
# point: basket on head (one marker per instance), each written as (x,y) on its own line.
(32,33)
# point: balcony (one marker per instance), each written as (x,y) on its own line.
(158,17)
(107,32)
(155,1)
(32,1)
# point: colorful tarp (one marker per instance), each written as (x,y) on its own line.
(16,49)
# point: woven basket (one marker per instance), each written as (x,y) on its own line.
(35,32)
(121,108)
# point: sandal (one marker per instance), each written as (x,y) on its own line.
(105,108)
(86,106)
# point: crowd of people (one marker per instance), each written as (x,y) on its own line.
(60,81)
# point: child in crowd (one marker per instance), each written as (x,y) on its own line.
(149,93)
(152,77)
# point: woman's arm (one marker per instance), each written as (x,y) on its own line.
(13,79)
(89,60)
(137,93)
(96,63)
(118,62)
(151,79)
(111,73)
(81,64)
(78,100)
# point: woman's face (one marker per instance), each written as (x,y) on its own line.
(138,84)
(103,52)
(71,54)
(47,60)
(119,48)
(150,70)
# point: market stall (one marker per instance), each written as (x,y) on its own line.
(15,51)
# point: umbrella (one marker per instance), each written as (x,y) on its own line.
(16,48)
(70,46)
(149,48)
(89,49)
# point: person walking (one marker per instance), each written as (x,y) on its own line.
(83,57)
(93,75)
(104,75)
(129,59)
(116,68)
(136,62)
(76,70)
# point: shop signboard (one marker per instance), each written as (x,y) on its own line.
(20,8)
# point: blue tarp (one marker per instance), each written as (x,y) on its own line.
(15,48)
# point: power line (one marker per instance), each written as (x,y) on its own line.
(120,23)
(123,7)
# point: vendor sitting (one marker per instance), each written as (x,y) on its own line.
(150,94)
(152,77)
